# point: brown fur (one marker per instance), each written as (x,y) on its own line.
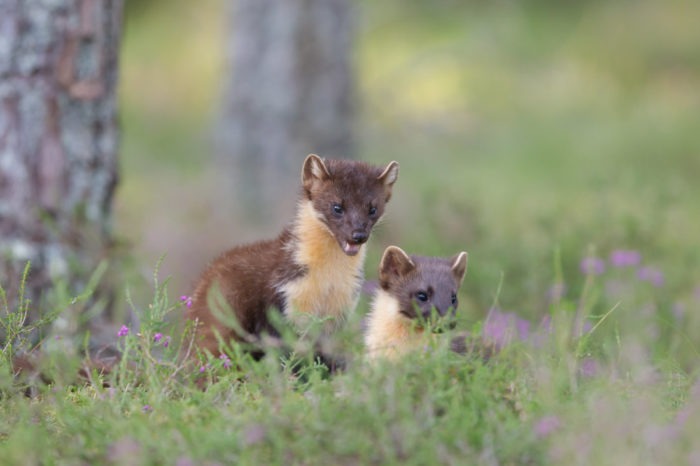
(412,290)
(313,269)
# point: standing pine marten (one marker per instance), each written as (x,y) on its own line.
(412,291)
(312,271)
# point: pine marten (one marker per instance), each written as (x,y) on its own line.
(412,291)
(312,271)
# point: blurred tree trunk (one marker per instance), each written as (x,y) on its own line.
(58,141)
(289,93)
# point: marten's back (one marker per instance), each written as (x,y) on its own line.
(243,283)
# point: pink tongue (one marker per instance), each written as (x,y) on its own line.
(351,249)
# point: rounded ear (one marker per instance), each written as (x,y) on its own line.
(459,266)
(314,168)
(395,263)
(390,174)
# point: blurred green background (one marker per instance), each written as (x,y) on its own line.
(526,131)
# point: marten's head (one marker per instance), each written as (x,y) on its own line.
(348,196)
(424,287)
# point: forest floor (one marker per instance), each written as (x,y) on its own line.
(559,146)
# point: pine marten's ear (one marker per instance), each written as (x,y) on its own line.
(389,177)
(459,266)
(395,263)
(314,169)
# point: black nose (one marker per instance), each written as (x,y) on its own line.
(359,236)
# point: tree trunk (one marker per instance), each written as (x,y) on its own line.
(58,141)
(290,93)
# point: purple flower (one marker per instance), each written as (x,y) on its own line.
(588,367)
(124,331)
(203,368)
(157,337)
(496,328)
(546,426)
(625,258)
(523,327)
(651,275)
(147,408)
(592,266)
(166,342)
(184,461)
(226,360)
(187,300)
(500,328)
(586,327)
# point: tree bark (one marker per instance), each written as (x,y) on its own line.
(58,140)
(289,93)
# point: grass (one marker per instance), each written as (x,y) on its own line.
(530,135)
(557,393)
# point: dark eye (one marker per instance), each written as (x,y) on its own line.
(422,296)
(454,299)
(373,211)
(338,209)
